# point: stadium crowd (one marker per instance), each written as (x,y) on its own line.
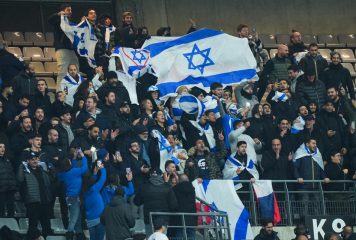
(93,147)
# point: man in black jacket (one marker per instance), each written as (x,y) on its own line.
(25,82)
(335,171)
(41,98)
(10,65)
(125,35)
(65,54)
(313,60)
(157,196)
(266,232)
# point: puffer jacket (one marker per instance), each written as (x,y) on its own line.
(7,175)
(311,92)
(317,63)
(24,83)
(211,159)
(337,76)
(30,187)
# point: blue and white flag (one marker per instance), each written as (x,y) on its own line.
(82,37)
(298,125)
(222,195)
(266,200)
(201,58)
(280,97)
(135,62)
(211,103)
(165,148)
(304,151)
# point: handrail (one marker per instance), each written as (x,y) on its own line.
(208,204)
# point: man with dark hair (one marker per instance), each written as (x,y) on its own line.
(10,65)
(125,35)
(42,99)
(64,129)
(313,61)
(347,233)
(25,82)
(90,110)
(65,53)
(216,89)
(266,232)
(18,109)
(295,77)
(296,44)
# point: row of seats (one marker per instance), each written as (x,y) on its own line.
(22,225)
(323,40)
(34,53)
(28,39)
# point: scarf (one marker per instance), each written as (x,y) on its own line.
(72,81)
(206,130)
(304,151)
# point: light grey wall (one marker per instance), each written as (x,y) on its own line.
(267,16)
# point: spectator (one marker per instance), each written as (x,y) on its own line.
(245,96)
(159,233)
(71,176)
(35,185)
(25,82)
(335,171)
(107,30)
(337,76)
(311,89)
(91,194)
(70,82)
(90,110)
(10,65)
(170,175)
(266,232)
(113,184)
(85,90)
(18,109)
(8,185)
(347,233)
(6,95)
(59,104)
(156,196)
(125,35)
(39,118)
(295,77)
(301,237)
(142,36)
(313,61)
(65,53)
(296,44)
(117,217)
(64,129)
(42,99)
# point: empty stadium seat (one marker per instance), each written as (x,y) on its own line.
(268,40)
(35,53)
(349,39)
(330,41)
(16,51)
(16,39)
(49,37)
(50,53)
(40,70)
(272,53)
(37,38)
(10,223)
(350,67)
(51,83)
(311,38)
(282,38)
(347,55)
(51,67)
(325,53)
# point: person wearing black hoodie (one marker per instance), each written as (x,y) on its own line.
(10,65)
(25,82)
(266,232)
(335,75)
(335,171)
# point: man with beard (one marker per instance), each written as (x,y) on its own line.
(313,61)
(25,82)
(266,232)
(244,94)
(39,118)
(296,44)
(125,35)
(90,111)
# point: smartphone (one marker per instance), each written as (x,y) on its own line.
(99,163)
(117,153)
(128,170)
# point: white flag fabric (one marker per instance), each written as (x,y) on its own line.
(164,148)
(222,195)
(135,62)
(82,37)
(201,58)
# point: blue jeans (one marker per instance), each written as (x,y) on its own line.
(97,232)
(74,223)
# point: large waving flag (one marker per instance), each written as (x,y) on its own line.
(135,62)
(266,200)
(82,37)
(164,148)
(201,58)
(222,195)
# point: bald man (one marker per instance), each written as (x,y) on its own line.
(296,44)
(275,69)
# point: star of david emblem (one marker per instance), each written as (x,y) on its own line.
(199,54)
(138,56)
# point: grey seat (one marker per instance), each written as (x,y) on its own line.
(50,37)
(272,53)
(283,38)
(350,67)
(330,41)
(16,39)
(347,55)
(50,52)
(348,39)
(311,38)
(37,38)
(268,40)
(35,54)
(325,53)
(10,223)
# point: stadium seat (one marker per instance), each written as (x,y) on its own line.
(330,41)
(272,53)
(50,53)
(16,51)
(349,39)
(311,38)
(35,54)
(350,67)
(49,37)
(16,39)
(51,83)
(283,38)
(51,67)
(56,238)
(268,40)
(10,223)
(37,38)
(40,70)
(325,53)
(347,55)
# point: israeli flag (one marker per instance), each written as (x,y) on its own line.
(280,97)
(164,148)
(135,62)
(201,58)
(211,103)
(303,151)
(222,195)
(82,37)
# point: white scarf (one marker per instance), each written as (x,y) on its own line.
(304,151)
(208,132)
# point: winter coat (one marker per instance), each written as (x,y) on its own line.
(334,172)
(118,219)
(311,92)
(318,64)
(156,196)
(337,76)
(308,169)
(30,187)
(185,194)
(10,66)
(7,176)
(121,93)
(61,41)
(211,160)
(263,236)
(24,83)
(276,169)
